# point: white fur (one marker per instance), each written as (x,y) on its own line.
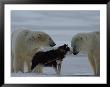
(89,42)
(24,45)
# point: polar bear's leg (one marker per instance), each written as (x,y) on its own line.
(97,63)
(92,62)
(28,61)
(16,68)
(12,62)
(39,68)
(21,64)
(98,69)
(18,64)
(15,65)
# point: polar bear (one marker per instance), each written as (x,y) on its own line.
(27,43)
(89,42)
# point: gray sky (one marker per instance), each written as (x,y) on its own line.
(56,19)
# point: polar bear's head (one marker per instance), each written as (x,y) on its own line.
(40,39)
(79,43)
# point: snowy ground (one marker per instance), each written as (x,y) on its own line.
(71,66)
(61,26)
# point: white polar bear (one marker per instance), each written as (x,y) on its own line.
(89,42)
(27,43)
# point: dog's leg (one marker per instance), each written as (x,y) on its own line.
(54,64)
(59,67)
(55,69)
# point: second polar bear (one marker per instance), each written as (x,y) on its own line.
(89,42)
(27,43)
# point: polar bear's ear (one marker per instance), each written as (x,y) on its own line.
(81,38)
(26,33)
(39,36)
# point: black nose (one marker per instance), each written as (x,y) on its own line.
(75,53)
(53,44)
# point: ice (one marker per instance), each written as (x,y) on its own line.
(71,66)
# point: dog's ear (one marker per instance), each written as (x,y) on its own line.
(65,45)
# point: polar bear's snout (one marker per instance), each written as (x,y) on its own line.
(75,51)
(90,43)
(52,44)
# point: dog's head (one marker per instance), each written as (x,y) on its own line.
(64,48)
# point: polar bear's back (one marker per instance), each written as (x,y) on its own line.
(96,39)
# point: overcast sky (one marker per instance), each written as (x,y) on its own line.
(56,19)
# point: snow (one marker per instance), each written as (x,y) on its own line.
(71,66)
(61,26)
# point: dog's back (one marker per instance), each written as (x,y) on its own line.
(49,58)
(43,58)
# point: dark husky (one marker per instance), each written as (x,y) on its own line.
(51,58)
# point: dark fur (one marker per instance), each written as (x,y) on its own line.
(46,58)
